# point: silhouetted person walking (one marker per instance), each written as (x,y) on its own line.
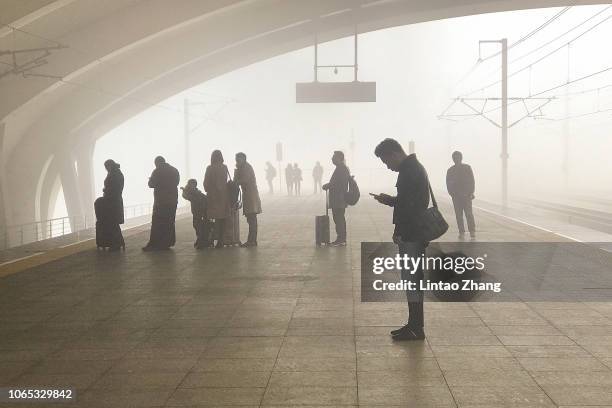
(297,179)
(215,185)
(289,178)
(109,209)
(270,175)
(164,181)
(317,176)
(251,204)
(198,201)
(411,201)
(338,187)
(460,186)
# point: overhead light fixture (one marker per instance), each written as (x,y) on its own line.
(335,92)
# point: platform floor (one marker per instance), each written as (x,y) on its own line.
(283,325)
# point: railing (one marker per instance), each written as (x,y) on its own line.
(17,235)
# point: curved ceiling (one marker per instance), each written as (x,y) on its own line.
(108,60)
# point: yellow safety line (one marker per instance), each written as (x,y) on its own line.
(41,258)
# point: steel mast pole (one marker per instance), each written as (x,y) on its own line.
(504,122)
(186,134)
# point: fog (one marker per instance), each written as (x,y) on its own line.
(418,69)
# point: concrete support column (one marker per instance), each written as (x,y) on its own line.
(48,196)
(70,185)
(3,197)
(85,174)
(2,161)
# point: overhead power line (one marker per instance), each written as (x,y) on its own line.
(480,60)
(530,34)
(526,67)
(560,35)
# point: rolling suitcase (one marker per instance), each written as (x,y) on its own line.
(322,225)
(231,236)
(103,235)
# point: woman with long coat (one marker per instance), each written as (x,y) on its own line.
(111,211)
(215,185)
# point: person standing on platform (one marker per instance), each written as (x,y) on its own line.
(289,178)
(198,201)
(164,181)
(251,204)
(215,185)
(317,176)
(113,204)
(411,201)
(270,175)
(338,187)
(460,185)
(297,179)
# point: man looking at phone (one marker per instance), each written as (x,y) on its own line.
(411,201)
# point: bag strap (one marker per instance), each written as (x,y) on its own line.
(433,199)
(228,173)
(327,203)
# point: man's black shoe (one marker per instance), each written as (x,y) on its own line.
(398,331)
(410,334)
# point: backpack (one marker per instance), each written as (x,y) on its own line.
(352,195)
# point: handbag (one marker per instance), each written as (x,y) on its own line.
(431,224)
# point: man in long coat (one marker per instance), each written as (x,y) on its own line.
(164,181)
(251,204)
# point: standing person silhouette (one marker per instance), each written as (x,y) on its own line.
(460,185)
(215,185)
(297,179)
(338,187)
(270,175)
(164,181)
(251,204)
(317,176)
(113,204)
(198,201)
(411,201)
(289,178)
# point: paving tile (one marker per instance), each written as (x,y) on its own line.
(226,379)
(138,381)
(302,395)
(539,340)
(318,364)
(432,396)
(506,396)
(215,397)
(579,394)
(571,364)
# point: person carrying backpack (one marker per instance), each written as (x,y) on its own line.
(338,187)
